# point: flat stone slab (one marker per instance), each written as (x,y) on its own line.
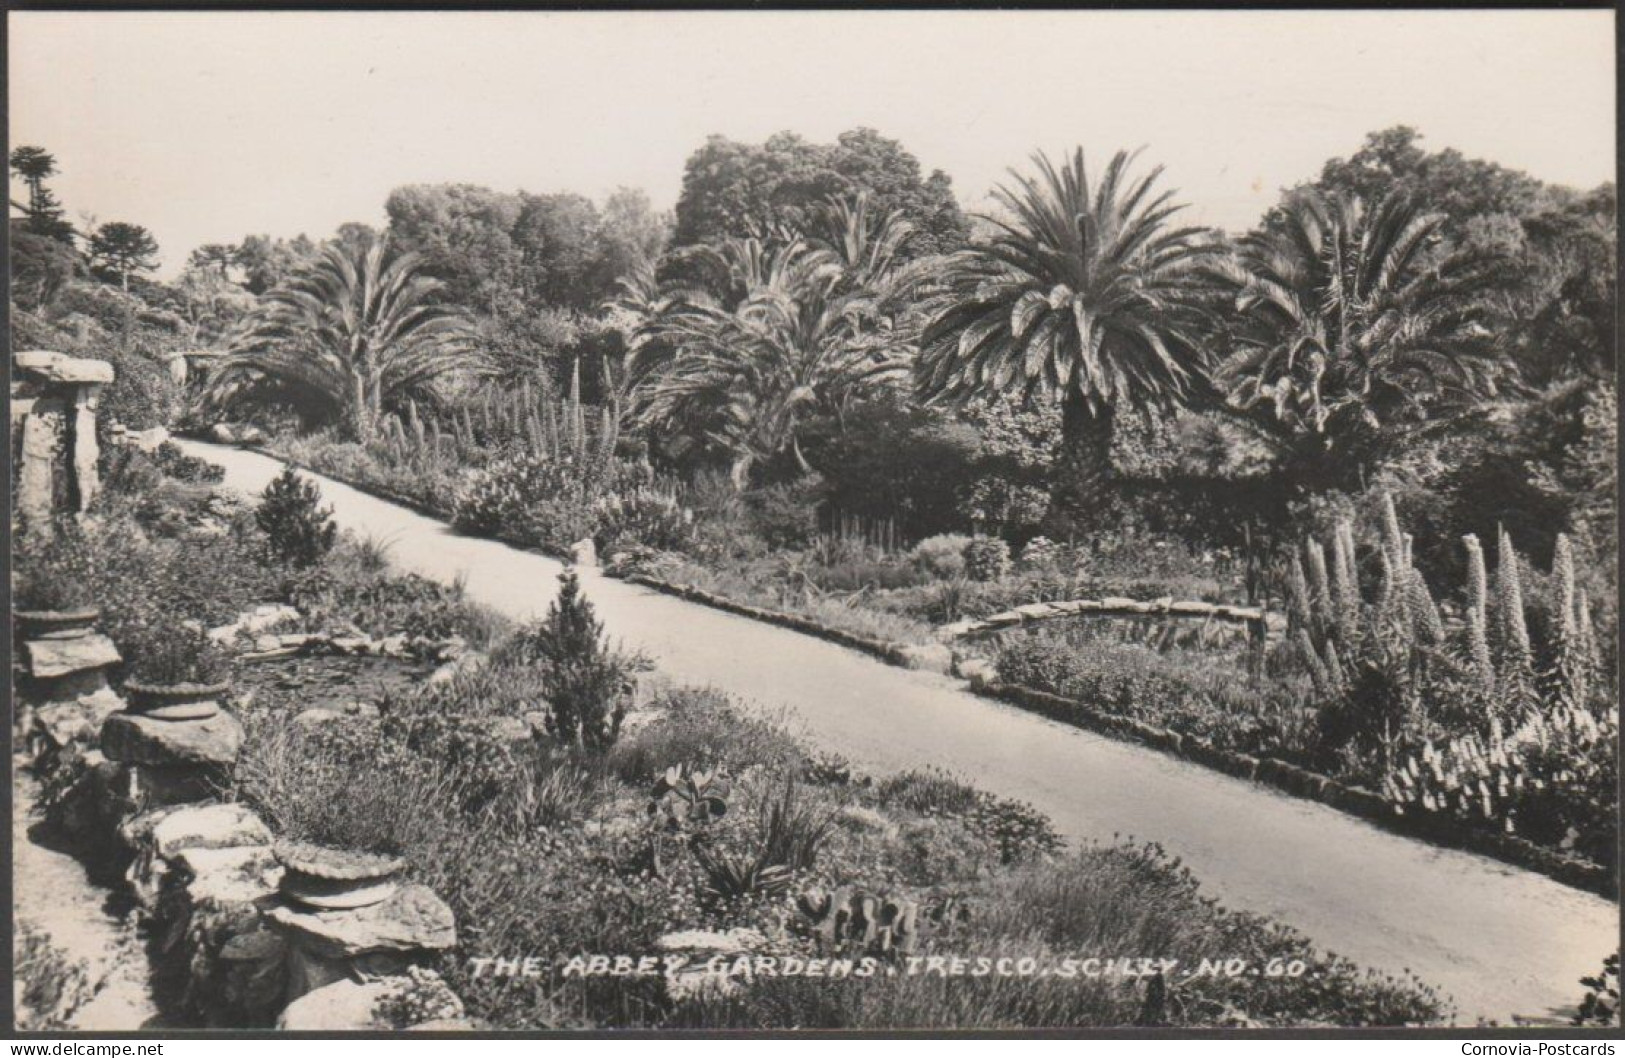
(413,919)
(50,658)
(136,739)
(220,826)
(59,367)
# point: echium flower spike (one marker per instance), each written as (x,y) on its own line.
(1319,584)
(1346,584)
(1478,581)
(1393,539)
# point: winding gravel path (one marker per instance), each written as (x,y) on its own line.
(1502,942)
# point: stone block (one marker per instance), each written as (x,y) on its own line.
(136,739)
(63,369)
(52,658)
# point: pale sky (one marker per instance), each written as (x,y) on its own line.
(207,126)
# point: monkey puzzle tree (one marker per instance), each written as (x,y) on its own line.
(123,250)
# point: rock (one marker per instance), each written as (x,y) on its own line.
(537,723)
(239,874)
(259,619)
(265,643)
(718,942)
(506,728)
(584,552)
(76,721)
(222,433)
(250,435)
(138,739)
(337,1007)
(394,646)
(50,658)
(58,367)
(413,919)
(195,827)
(352,644)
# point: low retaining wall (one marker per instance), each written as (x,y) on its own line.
(891,653)
(1301,782)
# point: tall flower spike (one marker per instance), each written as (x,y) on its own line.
(1347,584)
(1393,539)
(1478,581)
(1319,585)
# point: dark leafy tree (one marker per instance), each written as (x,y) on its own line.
(738,190)
(1084,295)
(463,235)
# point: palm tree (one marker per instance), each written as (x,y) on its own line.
(797,327)
(348,336)
(1351,333)
(1084,295)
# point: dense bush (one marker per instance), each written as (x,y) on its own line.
(644,517)
(299,531)
(987,558)
(942,556)
(170,656)
(1193,695)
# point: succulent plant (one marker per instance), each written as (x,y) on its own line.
(682,798)
(873,924)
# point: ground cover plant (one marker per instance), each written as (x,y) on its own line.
(701,817)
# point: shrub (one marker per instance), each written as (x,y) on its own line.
(169,656)
(1200,696)
(424,997)
(1041,553)
(941,556)
(54,571)
(1600,1004)
(300,531)
(645,517)
(176,464)
(586,683)
(987,558)
(785,516)
(49,988)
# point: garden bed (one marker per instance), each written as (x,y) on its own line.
(1302,782)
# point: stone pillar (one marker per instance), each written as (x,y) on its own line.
(86,451)
(36,478)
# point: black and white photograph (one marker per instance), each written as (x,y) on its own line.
(788,521)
